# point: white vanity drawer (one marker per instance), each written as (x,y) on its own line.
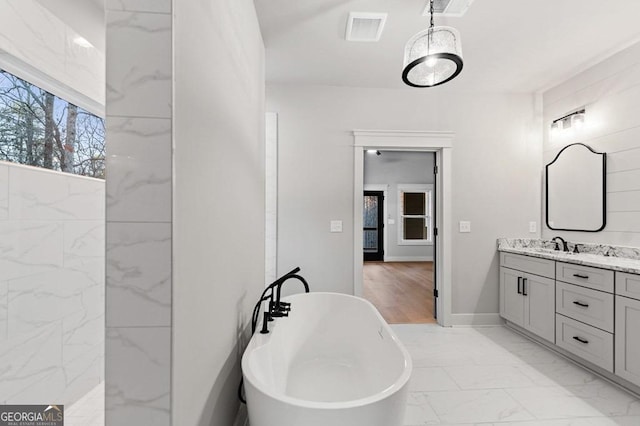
(533,265)
(583,304)
(595,278)
(589,343)
(628,285)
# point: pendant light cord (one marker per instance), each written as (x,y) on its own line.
(431,25)
(431,13)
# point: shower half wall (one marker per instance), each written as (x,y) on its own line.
(52,250)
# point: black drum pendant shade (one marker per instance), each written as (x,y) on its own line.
(433,56)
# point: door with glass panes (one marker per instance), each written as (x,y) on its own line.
(373,223)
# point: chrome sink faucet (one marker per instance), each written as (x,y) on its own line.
(565,247)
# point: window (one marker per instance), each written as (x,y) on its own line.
(415,224)
(40,129)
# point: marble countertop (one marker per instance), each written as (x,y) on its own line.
(615,263)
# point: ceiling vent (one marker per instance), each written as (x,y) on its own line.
(455,8)
(363,26)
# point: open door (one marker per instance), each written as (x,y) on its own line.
(373,223)
(436,201)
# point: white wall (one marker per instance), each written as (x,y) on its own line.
(39,47)
(392,168)
(51,285)
(496,176)
(610,93)
(219,203)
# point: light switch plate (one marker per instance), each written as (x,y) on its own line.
(533,227)
(392,221)
(336,226)
(465,226)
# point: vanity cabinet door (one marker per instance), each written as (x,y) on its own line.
(511,300)
(627,339)
(539,306)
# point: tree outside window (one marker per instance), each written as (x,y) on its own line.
(40,129)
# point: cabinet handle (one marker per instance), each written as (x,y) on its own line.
(586,277)
(581,340)
(519,284)
(524,287)
(584,305)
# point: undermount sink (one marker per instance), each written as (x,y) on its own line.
(548,250)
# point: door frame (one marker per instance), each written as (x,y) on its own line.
(385,190)
(399,140)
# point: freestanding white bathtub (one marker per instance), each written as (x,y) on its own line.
(333,362)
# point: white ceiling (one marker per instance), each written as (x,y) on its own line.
(508,45)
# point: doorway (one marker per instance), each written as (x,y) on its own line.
(439,143)
(399,279)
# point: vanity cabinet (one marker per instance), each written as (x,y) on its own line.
(584,312)
(590,313)
(526,298)
(627,322)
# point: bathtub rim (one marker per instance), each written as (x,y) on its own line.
(397,386)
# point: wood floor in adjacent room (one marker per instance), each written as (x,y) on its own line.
(402,291)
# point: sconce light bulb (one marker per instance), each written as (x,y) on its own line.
(555,128)
(578,121)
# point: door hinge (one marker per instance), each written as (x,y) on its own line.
(435,232)
(435,170)
(435,292)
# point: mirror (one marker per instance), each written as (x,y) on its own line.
(576,189)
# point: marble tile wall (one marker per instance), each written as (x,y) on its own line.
(52,245)
(139,197)
(42,42)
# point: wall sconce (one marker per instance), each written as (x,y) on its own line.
(573,121)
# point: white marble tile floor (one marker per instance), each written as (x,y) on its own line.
(88,410)
(480,376)
(492,376)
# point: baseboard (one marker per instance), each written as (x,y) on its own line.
(242,419)
(408,259)
(467,320)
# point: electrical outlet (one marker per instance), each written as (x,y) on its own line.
(533,227)
(336,226)
(465,226)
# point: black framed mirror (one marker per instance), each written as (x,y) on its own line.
(575,190)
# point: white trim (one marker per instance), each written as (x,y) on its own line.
(467,320)
(271,197)
(50,171)
(23,70)
(385,238)
(408,259)
(417,138)
(397,140)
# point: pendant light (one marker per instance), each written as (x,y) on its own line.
(433,56)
